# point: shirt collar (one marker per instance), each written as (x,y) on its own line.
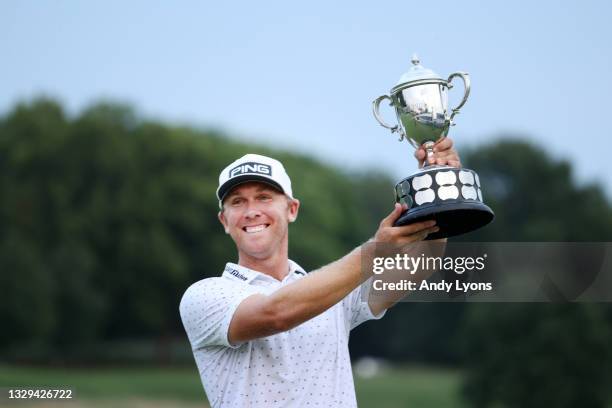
(242,274)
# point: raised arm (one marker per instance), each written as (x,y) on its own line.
(260,315)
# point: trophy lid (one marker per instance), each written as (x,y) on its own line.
(416,72)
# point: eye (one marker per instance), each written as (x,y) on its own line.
(264,197)
(236,201)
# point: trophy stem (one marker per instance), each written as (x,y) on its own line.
(429,145)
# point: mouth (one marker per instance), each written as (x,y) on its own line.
(253,229)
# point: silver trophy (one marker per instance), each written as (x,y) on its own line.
(449,195)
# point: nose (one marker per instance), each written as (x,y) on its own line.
(252,212)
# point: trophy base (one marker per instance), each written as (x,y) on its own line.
(453,218)
(450,196)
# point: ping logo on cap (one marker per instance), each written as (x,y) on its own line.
(250,168)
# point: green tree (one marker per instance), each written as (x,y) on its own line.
(535,355)
(535,197)
(111,217)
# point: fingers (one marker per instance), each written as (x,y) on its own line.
(444,144)
(420,155)
(454,163)
(390,219)
(448,161)
(450,158)
(411,232)
(446,158)
(405,234)
(419,236)
(415,228)
(444,154)
(432,159)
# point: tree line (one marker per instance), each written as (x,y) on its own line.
(106,218)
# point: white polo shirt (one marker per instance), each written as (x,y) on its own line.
(307,366)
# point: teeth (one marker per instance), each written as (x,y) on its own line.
(256,228)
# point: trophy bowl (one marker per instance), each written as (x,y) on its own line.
(451,196)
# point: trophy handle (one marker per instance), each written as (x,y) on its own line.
(375,110)
(466,84)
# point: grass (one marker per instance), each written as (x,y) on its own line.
(94,383)
(181,387)
(410,387)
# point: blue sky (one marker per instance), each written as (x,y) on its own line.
(302,76)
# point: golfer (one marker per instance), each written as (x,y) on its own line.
(265,333)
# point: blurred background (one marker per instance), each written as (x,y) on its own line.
(115,120)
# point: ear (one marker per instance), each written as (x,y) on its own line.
(223,221)
(294,207)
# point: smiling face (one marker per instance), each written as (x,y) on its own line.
(257,217)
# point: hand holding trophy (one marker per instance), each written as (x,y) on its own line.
(449,195)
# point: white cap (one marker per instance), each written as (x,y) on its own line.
(253,167)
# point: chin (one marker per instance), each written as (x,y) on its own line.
(257,253)
(258,250)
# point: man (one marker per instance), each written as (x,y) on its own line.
(265,333)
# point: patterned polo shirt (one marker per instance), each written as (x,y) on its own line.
(307,366)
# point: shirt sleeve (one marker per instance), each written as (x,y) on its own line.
(207,308)
(356,305)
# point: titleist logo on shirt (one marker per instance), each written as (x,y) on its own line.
(235,273)
(249,168)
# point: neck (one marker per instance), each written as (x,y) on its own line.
(276,265)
